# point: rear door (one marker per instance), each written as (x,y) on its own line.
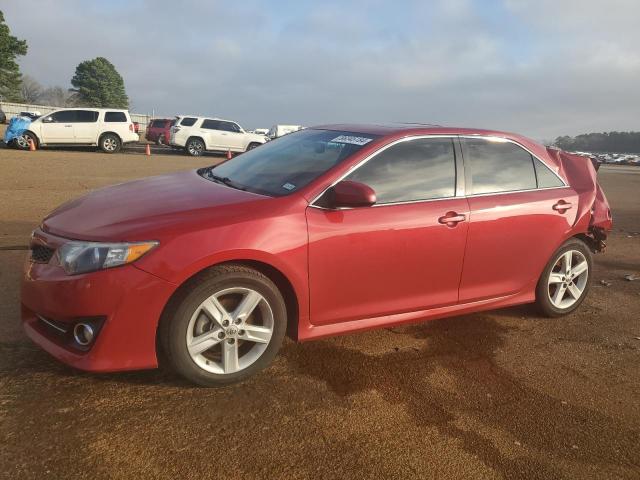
(520,212)
(212,133)
(58,127)
(85,127)
(401,254)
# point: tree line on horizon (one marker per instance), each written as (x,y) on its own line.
(96,82)
(606,142)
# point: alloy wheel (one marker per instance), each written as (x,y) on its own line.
(195,148)
(568,279)
(230,330)
(109,144)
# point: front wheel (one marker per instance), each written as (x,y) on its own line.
(110,143)
(22,142)
(253,145)
(565,282)
(224,326)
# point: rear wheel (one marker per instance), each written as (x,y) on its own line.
(195,147)
(226,325)
(110,143)
(253,145)
(160,140)
(565,282)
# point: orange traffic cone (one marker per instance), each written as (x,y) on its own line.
(147,150)
(32,145)
(229,156)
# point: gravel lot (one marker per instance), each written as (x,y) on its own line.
(503,394)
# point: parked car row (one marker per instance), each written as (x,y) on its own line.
(109,129)
(196,135)
(612,158)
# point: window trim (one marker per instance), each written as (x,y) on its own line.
(496,138)
(461,173)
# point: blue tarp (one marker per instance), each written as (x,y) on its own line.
(16,127)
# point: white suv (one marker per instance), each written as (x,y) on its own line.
(108,128)
(199,134)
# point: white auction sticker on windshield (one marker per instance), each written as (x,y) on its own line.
(288,186)
(351,139)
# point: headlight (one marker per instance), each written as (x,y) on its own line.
(83,257)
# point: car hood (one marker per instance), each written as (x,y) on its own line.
(150,209)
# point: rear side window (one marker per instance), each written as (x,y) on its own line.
(546,178)
(115,117)
(86,116)
(188,121)
(211,124)
(419,169)
(64,116)
(498,166)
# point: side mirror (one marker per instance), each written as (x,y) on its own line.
(348,194)
(47,119)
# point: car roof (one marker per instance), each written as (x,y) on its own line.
(414,129)
(200,117)
(99,109)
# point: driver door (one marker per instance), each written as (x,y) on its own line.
(58,127)
(398,255)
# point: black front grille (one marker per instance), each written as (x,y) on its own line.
(41,254)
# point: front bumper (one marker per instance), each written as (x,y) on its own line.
(128,300)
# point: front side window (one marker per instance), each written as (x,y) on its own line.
(419,169)
(64,116)
(115,117)
(498,166)
(188,121)
(209,124)
(289,163)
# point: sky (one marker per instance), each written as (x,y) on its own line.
(542,68)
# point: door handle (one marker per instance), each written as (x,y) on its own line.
(562,206)
(451,219)
(68,126)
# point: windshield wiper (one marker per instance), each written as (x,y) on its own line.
(225,181)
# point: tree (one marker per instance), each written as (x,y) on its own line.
(10,49)
(58,97)
(98,84)
(31,90)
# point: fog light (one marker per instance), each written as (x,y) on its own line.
(83,334)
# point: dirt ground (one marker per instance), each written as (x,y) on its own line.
(504,394)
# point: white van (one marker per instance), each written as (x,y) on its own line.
(107,128)
(280,130)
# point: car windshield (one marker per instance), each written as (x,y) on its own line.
(289,163)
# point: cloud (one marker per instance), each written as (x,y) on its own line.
(543,68)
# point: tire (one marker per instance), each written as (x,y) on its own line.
(551,299)
(110,143)
(22,142)
(253,145)
(195,147)
(255,337)
(160,140)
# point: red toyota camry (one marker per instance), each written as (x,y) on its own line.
(329,230)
